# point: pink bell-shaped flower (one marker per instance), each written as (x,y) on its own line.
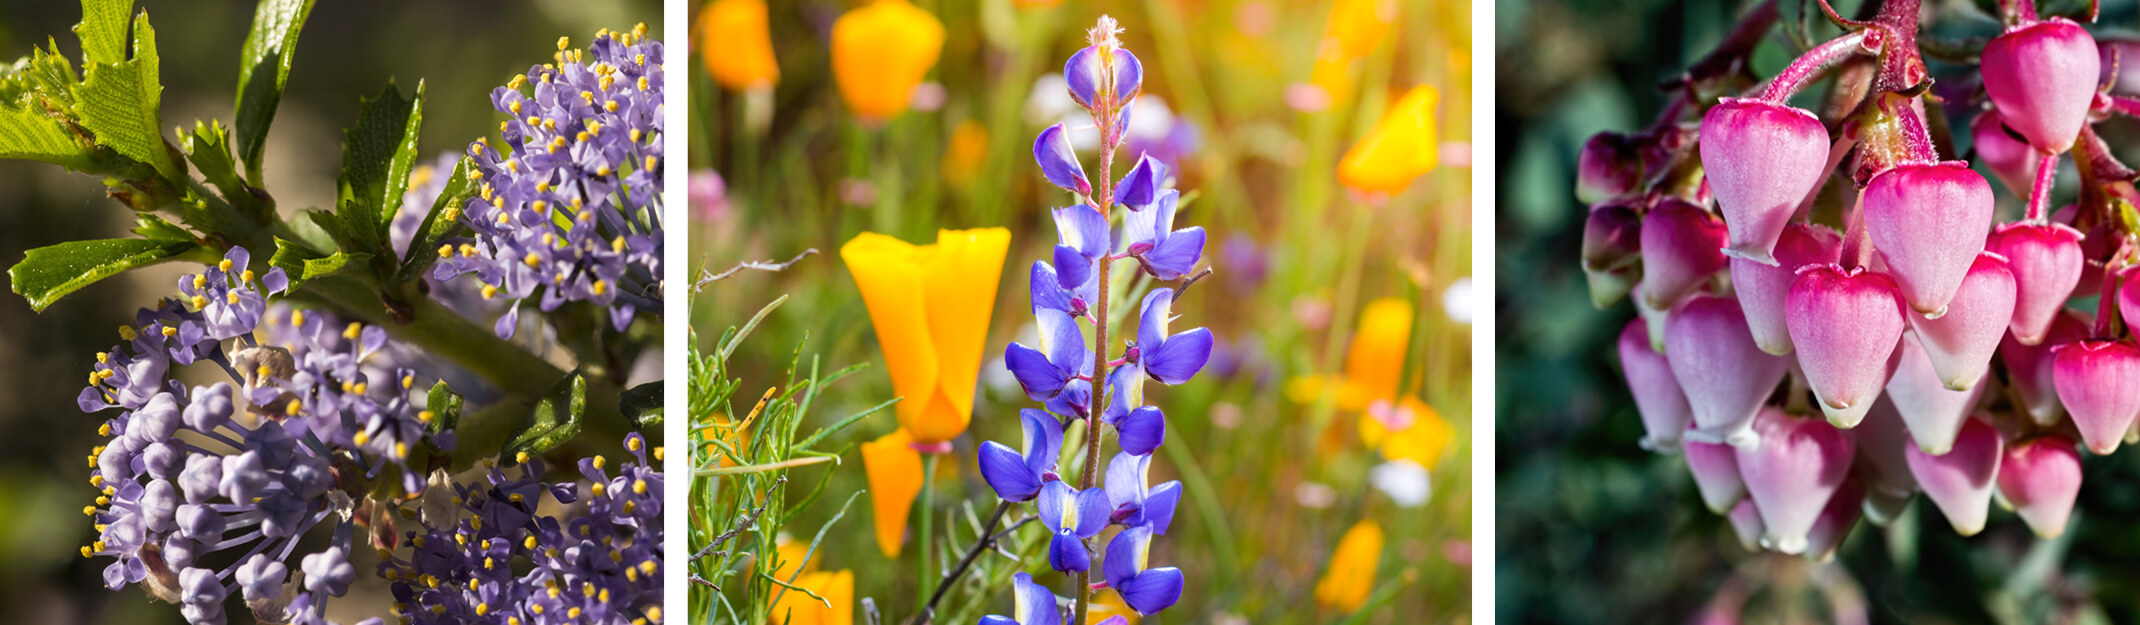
(2042,76)
(1726,377)
(1746,524)
(1836,520)
(1612,251)
(1680,251)
(1716,474)
(1845,323)
(2099,382)
(2028,367)
(1657,396)
(1960,481)
(1762,158)
(1882,463)
(2009,157)
(2041,477)
(1960,343)
(2046,263)
(1933,412)
(1761,287)
(1609,166)
(2129,295)
(1928,221)
(1791,473)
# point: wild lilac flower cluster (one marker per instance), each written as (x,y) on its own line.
(571,205)
(1105,80)
(248,466)
(602,567)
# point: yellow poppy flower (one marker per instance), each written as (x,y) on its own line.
(737,45)
(1399,148)
(837,587)
(880,52)
(894,471)
(931,305)
(1374,363)
(1351,573)
(791,554)
(966,154)
(1406,430)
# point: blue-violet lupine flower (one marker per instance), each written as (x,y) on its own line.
(1058,162)
(1169,359)
(1072,515)
(1083,236)
(1165,253)
(1083,72)
(1033,604)
(1140,188)
(1015,476)
(1142,589)
(1134,504)
(1061,358)
(572,205)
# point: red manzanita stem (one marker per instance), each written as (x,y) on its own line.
(1816,61)
(1857,248)
(2122,105)
(2040,195)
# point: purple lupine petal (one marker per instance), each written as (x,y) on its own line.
(1043,440)
(1048,293)
(1129,80)
(1082,71)
(1142,431)
(1092,512)
(1083,228)
(1159,506)
(1141,187)
(1073,271)
(1074,401)
(1125,480)
(1125,556)
(1064,342)
(1040,379)
(1152,590)
(1033,603)
(1126,383)
(1178,358)
(1175,256)
(1057,502)
(1153,317)
(1007,473)
(1067,554)
(992,619)
(1058,162)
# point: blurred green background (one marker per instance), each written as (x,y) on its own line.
(1284,479)
(461,49)
(1592,529)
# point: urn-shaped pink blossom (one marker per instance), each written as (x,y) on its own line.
(2028,367)
(2046,263)
(1928,222)
(1612,251)
(2129,293)
(1845,323)
(1836,520)
(1761,287)
(1726,377)
(1882,463)
(2008,156)
(1657,395)
(1933,412)
(2099,382)
(1746,524)
(1791,472)
(1762,158)
(1960,481)
(1609,166)
(1680,251)
(1960,343)
(1716,474)
(2042,76)
(2040,478)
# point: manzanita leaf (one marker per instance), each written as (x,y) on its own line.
(119,102)
(263,69)
(555,419)
(377,155)
(49,273)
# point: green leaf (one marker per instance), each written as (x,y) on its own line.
(445,406)
(339,263)
(103,30)
(119,102)
(35,136)
(556,419)
(292,258)
(48,273)
(156,228)
(439,224)
(209,149)
(263,69)
(642,404)
(377,155)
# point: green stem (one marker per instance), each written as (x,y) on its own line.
(442,332)
(928,515)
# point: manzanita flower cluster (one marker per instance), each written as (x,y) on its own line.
(1061,372)
(1902,320)
(571,207)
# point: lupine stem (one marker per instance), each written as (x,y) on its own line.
(1104,199)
